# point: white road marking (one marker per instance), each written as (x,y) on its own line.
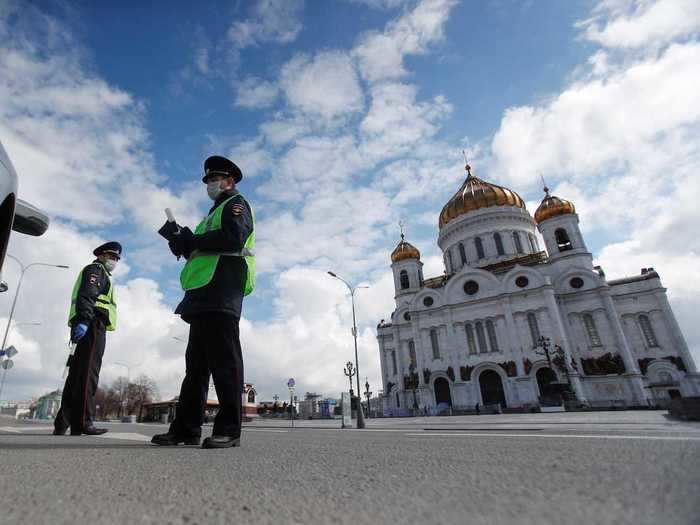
(264,430)
(19,430)
(560,436)
(129,436)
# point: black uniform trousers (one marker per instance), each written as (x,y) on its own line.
(78,399)
(213,348)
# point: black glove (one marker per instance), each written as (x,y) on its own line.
(174,248)
(183,242)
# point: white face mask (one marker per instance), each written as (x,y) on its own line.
(110,264)
(214,189)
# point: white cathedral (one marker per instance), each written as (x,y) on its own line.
(508,319)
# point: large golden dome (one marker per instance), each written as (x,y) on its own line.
(552,206)
(404,250)
(476,194)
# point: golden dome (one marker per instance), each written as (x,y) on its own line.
(476,194)
(552,206)
(404,250)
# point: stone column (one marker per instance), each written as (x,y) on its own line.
(676,334)
(382,362)
(512,336)
(558,326)
(628,358)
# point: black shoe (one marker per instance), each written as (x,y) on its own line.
(170,440)
(89,431)
(60,431)
(221,442)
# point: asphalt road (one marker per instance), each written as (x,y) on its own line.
(618,467)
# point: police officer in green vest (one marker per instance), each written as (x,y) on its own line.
(93,312)
(219,272)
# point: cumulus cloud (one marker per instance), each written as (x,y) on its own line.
(639,23)
(381,54)
(326,85)
(254,93)
(271,21)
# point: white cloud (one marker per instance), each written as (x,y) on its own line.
(325,85)
(382,4)
(254,93)
(380,55)
(637,23)
(271,21)
(251,158)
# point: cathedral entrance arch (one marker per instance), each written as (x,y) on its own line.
(442,391)
(545,376)
(492,388)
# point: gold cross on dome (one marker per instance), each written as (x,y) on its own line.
(466,163)
(401,227)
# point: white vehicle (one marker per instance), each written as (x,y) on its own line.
(15,214)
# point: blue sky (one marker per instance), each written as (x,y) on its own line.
(345,117)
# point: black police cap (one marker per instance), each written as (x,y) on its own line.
(217,165)
(112,247)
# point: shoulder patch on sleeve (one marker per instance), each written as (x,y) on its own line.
(92,278)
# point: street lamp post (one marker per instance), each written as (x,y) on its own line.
(360,415)
(368,395)
(349,373)
(19,285)
(23,269)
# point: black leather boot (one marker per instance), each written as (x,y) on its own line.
(221,442)
(170,439)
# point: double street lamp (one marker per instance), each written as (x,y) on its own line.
(353,289)
(8,364)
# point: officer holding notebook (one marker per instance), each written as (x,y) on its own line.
(219,271)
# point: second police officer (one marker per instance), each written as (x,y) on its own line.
(219,272)
(93,312)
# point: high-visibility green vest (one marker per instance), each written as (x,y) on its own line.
(201,266)
(105,302)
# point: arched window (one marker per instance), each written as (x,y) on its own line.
(499,244)
(251,396)
(393,360)
(491,331)
(518,244)
(398,404)
(533,245)
(403,277)
(412,353)
(450,266)
(648,331)
(562,238)
(534,329)
(462,254)
(479,247)
(591,330)
(434,344)
(481,338)
(470,338)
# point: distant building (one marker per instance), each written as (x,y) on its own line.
(474,335)
(46,407)
(309,407)
(155,411)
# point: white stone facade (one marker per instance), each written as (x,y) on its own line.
(477,326)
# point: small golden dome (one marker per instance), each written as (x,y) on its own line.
(476,194)
(404,250)
(552,206)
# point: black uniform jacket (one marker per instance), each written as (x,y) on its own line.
(94,282)
(224,293)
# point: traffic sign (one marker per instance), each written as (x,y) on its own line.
(7,364)
(11,351)
(291,383)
